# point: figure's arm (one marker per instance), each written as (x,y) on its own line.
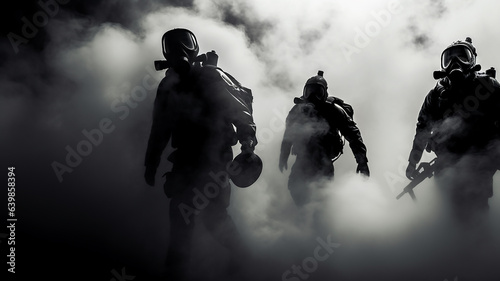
(352,134)
(245,131)
(286,143)
(489,90)
(238,101)
(160,133)
(244,123)
(422,133)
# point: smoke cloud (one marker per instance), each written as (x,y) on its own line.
(80,92)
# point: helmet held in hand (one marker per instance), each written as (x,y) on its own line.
(247,167)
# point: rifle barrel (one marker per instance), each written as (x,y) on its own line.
(409,188)
(427,172)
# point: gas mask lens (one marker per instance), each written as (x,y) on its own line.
(179,42)
(460,53)
(187,40)
(315,91)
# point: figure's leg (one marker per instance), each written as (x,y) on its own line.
(479,190)
(181,232)
(298,183)
(218,221)
(223,229)
(299,191)
(471,194)
(320,217)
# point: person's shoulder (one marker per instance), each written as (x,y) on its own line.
(332,110)
(438,91)
(169,81)
(301,108)
(209,73)
(487,80)
(332,104)
(441,86)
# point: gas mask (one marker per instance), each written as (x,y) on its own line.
(315,88)
(180,49)
(458,61)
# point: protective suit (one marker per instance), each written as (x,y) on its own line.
(459,122)
(195,108)
(313,132)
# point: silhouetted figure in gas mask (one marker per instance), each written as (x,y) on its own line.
(459,122)
(196,106)
(314,129)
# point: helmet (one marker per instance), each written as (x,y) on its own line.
(250,167)
(315,88)
(180,47)
(460,54)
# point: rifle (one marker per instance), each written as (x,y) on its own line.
(425,170)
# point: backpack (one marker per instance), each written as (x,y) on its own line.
(350,111)
(233,86)
(242,93)
(345,106)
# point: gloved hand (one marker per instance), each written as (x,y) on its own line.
(411,171)
(149,176)
(363,169)
(247,146)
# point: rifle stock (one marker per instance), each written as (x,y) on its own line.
(425,170)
